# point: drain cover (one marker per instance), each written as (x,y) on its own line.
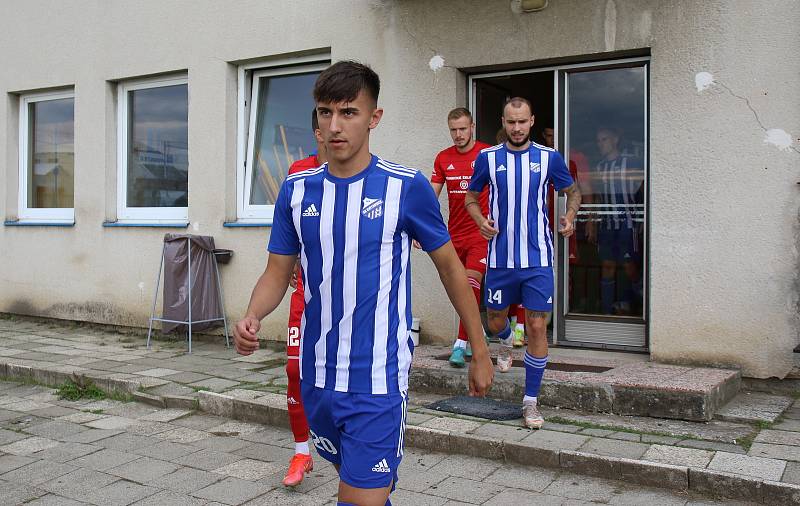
(480,407)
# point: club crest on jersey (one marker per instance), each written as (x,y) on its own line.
(464,184)
(535,167)
(373,208)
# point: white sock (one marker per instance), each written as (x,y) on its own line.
(460,343)
(527,399)
(301,448)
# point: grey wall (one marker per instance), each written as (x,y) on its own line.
(724,223)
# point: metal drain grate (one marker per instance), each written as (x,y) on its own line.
(489,409)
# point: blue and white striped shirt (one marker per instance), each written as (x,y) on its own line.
(518,202)
(354,238)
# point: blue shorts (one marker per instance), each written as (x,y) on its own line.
(617,245)
(531,287)
(361,433)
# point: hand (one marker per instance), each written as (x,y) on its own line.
(481,374)
(487,229)
(245,339)
(591,232)
(416,244)
(567,227)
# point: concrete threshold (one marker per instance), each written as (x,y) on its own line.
(594,383)
(270,409)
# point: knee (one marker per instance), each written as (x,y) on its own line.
(536,326)
(496,320)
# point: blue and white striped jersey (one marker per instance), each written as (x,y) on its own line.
(621,188)
(354,239)
(518,202)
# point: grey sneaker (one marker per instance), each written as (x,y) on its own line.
(533,419)
(504,359)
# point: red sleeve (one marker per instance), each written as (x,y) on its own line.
(437,176)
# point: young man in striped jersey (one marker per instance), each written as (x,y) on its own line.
(520,259)
(352,222)
(301,462)
(453,166)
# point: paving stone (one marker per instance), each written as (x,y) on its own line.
(460,489)
(614,448)
(120,493)
(269,453)
(54,500)
(517,497)
(81,417)
(186,377)
(37,472)
(9,436)
(288,497)
(466,467)
(768,469)
(165,415)
(11,462)
(779,437)
(214,384)
(626,436)
(142,470)
(662,440)
(67,451)
(532,479)
(783,452)
(417,460)
(128,442)
(790,475)
(503,432)
(168,498)
(413,418)
(92,436)
(56,429)
(232,491)
(18,493)
(596,432)
(586,488)
(754,407)
(159,372)
(148,428)
(186,480)
(52,412)
(221,444)
(207,460)
(641,496)
(104,459)
(183,435)
(678,456)
(200,421)
(111,423)
(712,445)
(166,450)
(419,481)
(788,424)
(552,440)
(402,496)
(77,484)
(29,446)
(248,469)
(234,428)
(450,424)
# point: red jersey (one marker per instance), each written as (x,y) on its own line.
(456,169)
(310,162)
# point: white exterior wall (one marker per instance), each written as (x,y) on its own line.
(724,204)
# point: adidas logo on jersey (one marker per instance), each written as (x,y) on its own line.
(501,168)
(292,400)
(373,208)
(535,167)
(450,167)
(382,467)
(311,211)
(550,300)
(483,261)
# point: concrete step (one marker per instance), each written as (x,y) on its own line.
(594,383)
(755,407)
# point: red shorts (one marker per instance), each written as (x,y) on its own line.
(472,254)
(296,308)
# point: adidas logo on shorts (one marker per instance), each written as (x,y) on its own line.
(292,400)
(381,467)
(311,211)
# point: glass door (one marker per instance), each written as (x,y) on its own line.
(603,266)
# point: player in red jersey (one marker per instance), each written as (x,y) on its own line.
(301,462)
(454,167)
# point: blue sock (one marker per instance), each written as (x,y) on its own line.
(534,370)
(505,335)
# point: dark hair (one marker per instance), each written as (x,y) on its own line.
(516,103)
(314,120)
(459,112)
(342,81)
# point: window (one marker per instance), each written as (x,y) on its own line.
(153,159)
(47,157)
(275,131)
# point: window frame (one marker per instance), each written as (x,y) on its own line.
(154,215)
(60,215)
(249,76)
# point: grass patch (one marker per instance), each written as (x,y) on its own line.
(93,411)
(85,389)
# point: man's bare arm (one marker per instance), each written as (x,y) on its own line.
(573,200)
(473,206)
(437,188)
(271,285)
(454,279)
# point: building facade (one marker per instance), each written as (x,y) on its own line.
(680,120)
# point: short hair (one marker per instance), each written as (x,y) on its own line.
(459,112)
(517,102)
(342,82)
(314,120)
(611,130)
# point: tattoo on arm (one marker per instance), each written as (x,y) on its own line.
(573,198)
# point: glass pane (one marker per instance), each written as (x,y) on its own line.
(283,132)
(158,156)
(51,153)
(606,134)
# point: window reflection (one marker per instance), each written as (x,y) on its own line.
(158,160)
(607,145)
(51,154)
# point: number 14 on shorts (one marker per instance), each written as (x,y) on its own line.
(495,296)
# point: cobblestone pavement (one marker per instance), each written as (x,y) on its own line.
(108,452)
